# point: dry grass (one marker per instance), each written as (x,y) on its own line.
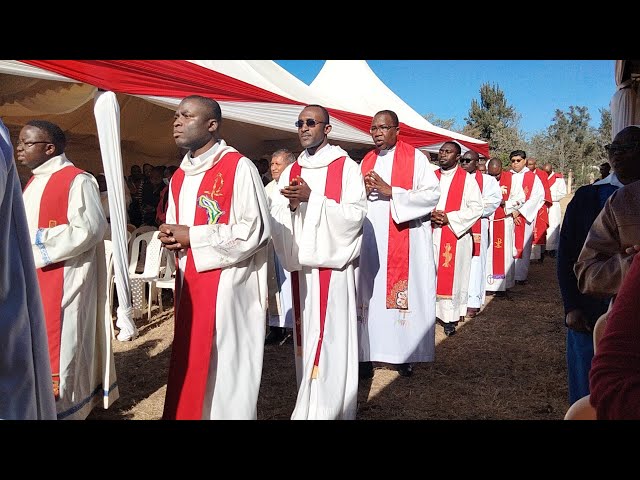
(507,363)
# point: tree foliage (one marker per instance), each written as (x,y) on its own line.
(447,123)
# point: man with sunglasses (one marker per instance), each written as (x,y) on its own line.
(525,216)
(491,198)
(459,207)
(396,271)
(317,234)
(67,226)
(591,258)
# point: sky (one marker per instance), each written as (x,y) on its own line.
(445,88)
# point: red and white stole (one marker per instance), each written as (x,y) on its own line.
(196,297)
(553,177)
(53,212)
(542,218)
(527,186)
(333,191)
(448,239)
(398,244)
(498,228)
(476,228)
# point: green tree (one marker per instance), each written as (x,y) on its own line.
(492,119)
(447,123)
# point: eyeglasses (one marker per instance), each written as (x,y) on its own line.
(310,123)
(28,144)
(465,160)
(514,160)
(614,148)
(383,128)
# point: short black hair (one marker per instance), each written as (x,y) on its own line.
(212,107)
(518,153)
(325,112)
(391,113)
(58,138)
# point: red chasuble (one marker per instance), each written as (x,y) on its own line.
(53,212)
(542,219)
(398,244)
(333,191)
(527,185)
(498,228)
(476,229)
(196,297)
(448,241)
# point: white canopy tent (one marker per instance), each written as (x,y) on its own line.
(353,86)
(129,121)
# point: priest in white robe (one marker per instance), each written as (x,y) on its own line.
(25,371)
(397,253)
(491,198)
(67,226)
(218,223)
(558,188)
(501,272)
(317,234)
(524,217)
(459,207)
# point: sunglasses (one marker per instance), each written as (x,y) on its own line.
(310,123)
(465,160)
(614,148)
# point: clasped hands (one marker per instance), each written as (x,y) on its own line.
(372,181)
(297,191)
(439,218)
(174,237)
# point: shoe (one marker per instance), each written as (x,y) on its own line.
(472,312)
(521,282)
(275,335)
(365,370)
(450,328)
(405,369)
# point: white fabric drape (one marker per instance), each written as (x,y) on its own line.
(107,114)
(625,108)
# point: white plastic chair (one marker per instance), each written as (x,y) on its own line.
(166,279)
(153,254)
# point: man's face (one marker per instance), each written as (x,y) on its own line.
(531,164)
(312,136)
(192,127)
(34,147)
(518,163)
(469,162)
(448,156)
(278,164)
(384,132)
(624,154)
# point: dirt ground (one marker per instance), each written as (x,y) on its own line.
(508,363)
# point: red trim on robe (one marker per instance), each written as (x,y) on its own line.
(53,212)
(498,240)
(448,239)
(542,218)
(398,244)
(527,186)
(195,312)
(333,191)
(476,228)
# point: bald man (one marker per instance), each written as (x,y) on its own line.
(500,274)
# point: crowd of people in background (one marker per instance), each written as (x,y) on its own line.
(355,263)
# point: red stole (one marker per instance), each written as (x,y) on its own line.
(398,244)
(448,239)
(542,220)
(53,212)
(553,177)
(196,297)
(333,191)
(476,228)
(527,185)
(498,228)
